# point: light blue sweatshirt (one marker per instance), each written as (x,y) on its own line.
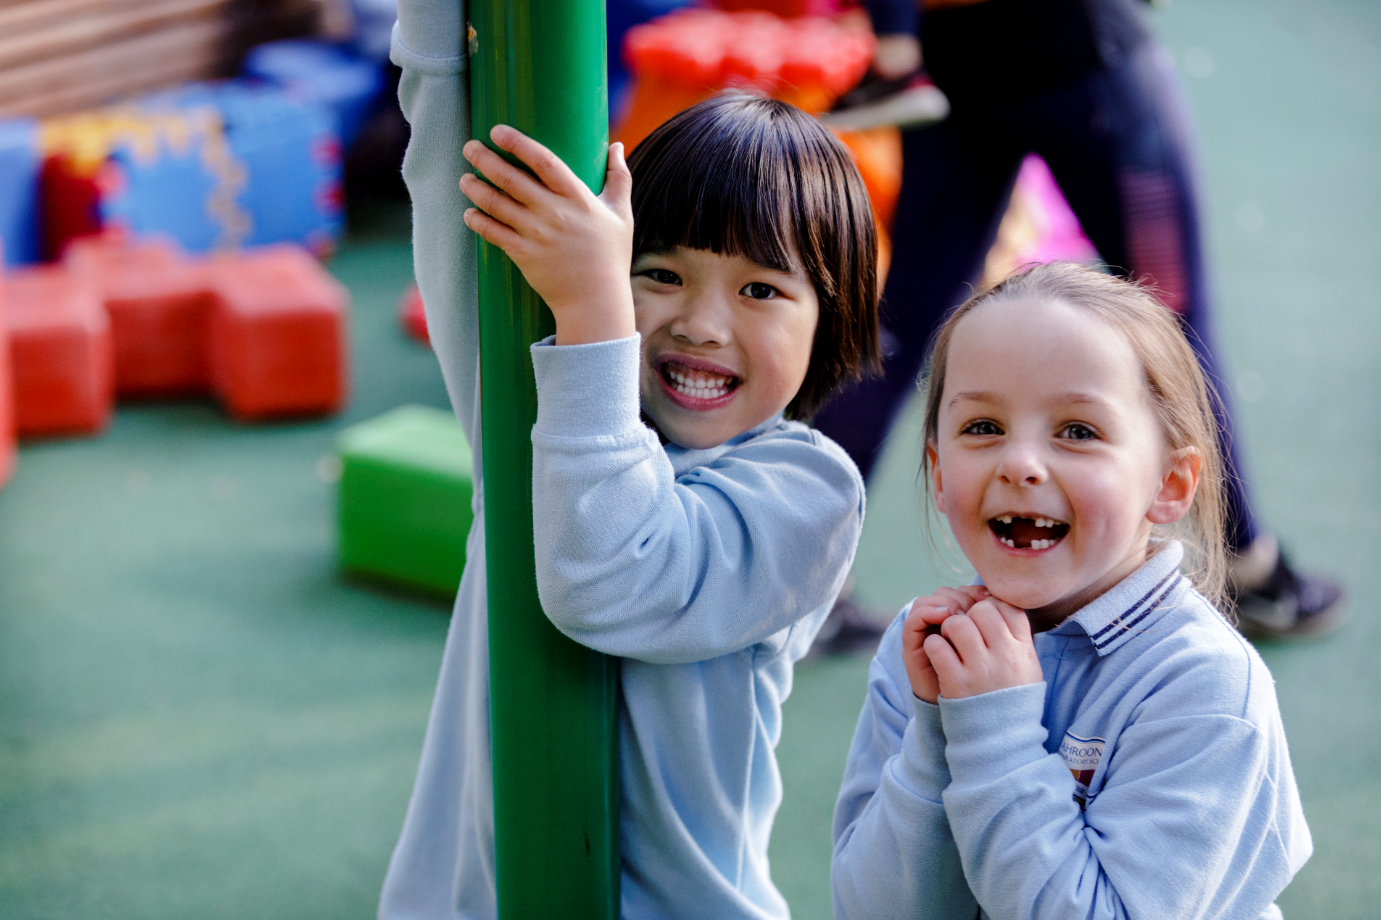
(1146,777)
(708,572)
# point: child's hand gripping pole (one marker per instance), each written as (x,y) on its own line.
(574,248)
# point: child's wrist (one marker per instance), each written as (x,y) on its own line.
(586,323)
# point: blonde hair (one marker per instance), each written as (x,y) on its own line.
(1183,399)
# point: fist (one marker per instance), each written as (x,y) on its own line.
(987,648)
(925,618)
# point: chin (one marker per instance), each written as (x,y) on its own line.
(1025,596)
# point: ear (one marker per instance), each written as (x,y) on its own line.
(937,486)
(1177,487)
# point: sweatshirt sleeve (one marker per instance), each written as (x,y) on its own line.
(434,91)
(1184,825)
(894,855)
(634,563)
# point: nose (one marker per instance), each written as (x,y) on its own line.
(704,319)
(1021,464)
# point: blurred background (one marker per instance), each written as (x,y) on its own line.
(233,501)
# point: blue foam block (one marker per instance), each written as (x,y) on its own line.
(279,181)
(315,71)
(19,167)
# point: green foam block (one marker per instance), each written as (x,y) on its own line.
(404,498)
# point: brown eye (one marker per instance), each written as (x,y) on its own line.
(759,291)
(662,276)
(980,428)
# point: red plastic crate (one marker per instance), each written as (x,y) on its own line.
(159,304)
(61,349)
(277,334)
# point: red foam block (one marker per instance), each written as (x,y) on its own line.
(60,344)
(413,315)
(71,199)
(277,334)
(6,399)
(159,304)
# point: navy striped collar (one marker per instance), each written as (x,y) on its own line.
(1134,604)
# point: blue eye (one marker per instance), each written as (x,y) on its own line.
(1077,431)
(980,428)
(759,291)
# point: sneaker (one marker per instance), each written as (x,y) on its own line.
(905,102)
(1289,605)
(848,628)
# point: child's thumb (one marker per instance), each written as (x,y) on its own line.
(618,181)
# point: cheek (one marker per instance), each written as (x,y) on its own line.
(793,351)
(959,491)
(646,316)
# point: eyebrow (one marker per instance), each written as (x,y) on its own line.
(1059,399)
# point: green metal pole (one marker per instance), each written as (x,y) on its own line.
(539,65)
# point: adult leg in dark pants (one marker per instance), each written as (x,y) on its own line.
(1118,143)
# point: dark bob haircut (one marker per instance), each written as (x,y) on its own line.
(743,175)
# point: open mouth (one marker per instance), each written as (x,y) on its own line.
(697,383)
(1028,533)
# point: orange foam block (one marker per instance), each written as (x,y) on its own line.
(277,334)
(62,354)
(6,399)
(159,303)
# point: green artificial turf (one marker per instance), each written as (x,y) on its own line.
(200,718)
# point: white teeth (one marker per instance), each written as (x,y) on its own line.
(1009,541)
(1006,519)
(700,391)
(699,385)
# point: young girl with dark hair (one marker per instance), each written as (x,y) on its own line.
(685,521)
(1079,733)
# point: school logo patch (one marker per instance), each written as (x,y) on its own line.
(1082,756)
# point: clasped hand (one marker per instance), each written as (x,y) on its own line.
(574,247)
(961,642)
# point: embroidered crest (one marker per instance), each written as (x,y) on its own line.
(1082,756)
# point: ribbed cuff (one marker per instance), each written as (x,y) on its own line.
(429,36)
(923,766)
(585,390)
(993,734)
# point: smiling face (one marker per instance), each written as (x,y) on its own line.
(726,342)
(1049,463)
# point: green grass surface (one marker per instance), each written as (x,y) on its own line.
(198,718)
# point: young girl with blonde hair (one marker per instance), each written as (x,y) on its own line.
(1078,733)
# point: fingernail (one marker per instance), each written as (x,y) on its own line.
(499,132)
